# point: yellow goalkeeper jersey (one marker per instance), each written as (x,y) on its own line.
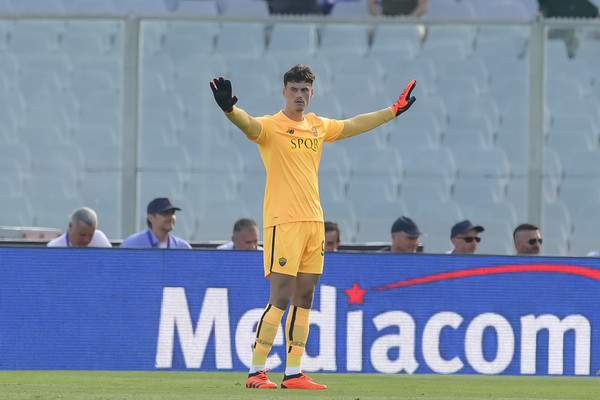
(291,152)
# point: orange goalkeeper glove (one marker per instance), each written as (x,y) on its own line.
(405,100)
(223,93)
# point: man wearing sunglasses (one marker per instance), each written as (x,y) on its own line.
(465,237)
(528,239)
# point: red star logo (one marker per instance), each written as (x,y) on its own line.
(355,294)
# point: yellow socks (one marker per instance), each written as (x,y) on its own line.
(296,332)
(265,334)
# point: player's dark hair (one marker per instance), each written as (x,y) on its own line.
(524,227)
(299,73)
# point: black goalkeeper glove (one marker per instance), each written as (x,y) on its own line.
(405,100)
(223,93)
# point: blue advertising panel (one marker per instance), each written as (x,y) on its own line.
(131,309)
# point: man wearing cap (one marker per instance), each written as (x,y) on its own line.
(161,220)
(405,236)
(465,237)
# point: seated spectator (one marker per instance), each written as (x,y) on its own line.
(82,231)
(569,9)
(295,7)
(332,236)
(405,236)
(528,239)
(465,237)
(161,220)
(245,236)
(408,8)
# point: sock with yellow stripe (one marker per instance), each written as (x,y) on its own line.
(297,326)
(265,335)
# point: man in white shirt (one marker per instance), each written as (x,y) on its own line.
(245,236)
(82,231)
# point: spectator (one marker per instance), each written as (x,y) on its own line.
(332,236)
(291,144)
(569,9)
(161,220)
(405,236)
(595,253)
(245,236)
(527,239)
(82,231)
(408,8)
(295,7)
(465,237)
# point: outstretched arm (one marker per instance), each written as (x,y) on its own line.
(365,122)
(224,97)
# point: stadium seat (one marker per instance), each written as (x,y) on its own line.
(471,191)
(241,40)
(487,213)
(194,7)
(53,7)
(219,159)
(392,39)
(181,48)
(558,212)
(246,8)
(161,183)
(503,9)
(483,163)
(496,239)
(450,9)
(52,210)
(457,139)
(413,192)
(435,163)
(92,7)
(344,39)
(144,7)
(161,157)
(335,161)
(583,164)
(344,213)
(376,220)
(441,53)
(575,193)
(584,239)
(567,143)
(363,190)
(457,33)
(304,37)
(216,218)
(17,211)
(375,161)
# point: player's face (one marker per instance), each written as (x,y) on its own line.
(80,234)
(402,243)
(528,242)
(246,239)
(164,221)
(332,241)
(462,246)
(297,95)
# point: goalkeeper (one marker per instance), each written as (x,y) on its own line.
(291,143)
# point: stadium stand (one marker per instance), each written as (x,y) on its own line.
(465,141)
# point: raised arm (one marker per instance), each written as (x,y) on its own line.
(365,122)
(224,97)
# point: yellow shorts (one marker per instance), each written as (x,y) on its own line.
(294,247)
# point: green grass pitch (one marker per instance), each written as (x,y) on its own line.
(97,385)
